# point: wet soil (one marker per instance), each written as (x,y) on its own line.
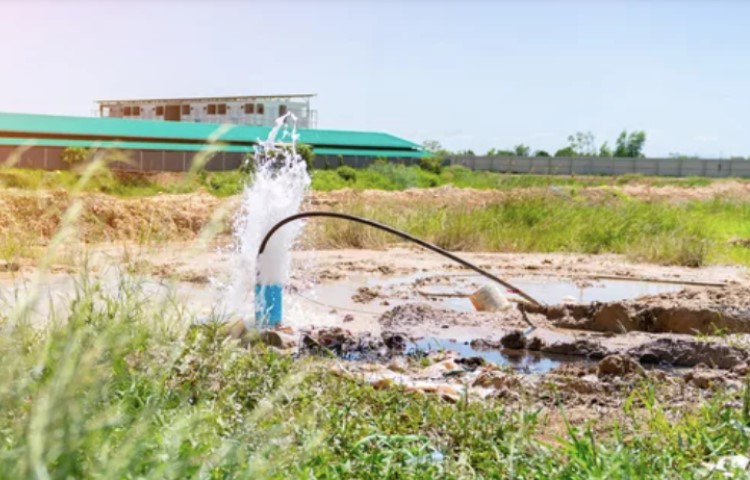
(579,353)
(692,311)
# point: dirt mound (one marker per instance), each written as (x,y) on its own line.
(691,311)
(689,353)
(619,366)
(37,216)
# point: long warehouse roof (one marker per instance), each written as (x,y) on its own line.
(193,147)
(18,125)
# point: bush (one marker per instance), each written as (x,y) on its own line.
(347,173)
(307,154)
(74,155)
(431,164)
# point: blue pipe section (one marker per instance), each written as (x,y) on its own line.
(268,300)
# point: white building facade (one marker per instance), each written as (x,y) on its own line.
(242,110)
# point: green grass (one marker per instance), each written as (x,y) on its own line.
(687,233)
(221,184)
(121,386)
(380,176)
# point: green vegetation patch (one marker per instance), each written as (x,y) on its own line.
(123,387)
(689,233)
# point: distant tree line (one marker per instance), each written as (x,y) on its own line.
(580,144)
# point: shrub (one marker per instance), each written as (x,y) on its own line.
(74,155)
(306,152)
(431,164)
(347,173)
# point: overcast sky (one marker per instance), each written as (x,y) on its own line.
(470,74)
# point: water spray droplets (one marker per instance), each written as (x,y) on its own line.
(278,188)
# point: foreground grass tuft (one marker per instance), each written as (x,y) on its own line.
(124,386)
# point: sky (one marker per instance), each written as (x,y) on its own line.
(469,74)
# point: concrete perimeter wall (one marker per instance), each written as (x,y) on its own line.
(667,167)
(50,158)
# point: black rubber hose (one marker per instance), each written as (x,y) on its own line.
(402,234)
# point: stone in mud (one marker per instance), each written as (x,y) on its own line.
(483,344)
(395,341)
(743,369)
(496,380)
(534,344)
(236,329)
(471,363)
(382,383)
(585,348)
(278,339)
(398,365)
(366,295)
(514,340)
(618,365)
(446,392)
(586,385)
(689,353)
(705,378)
(334,338)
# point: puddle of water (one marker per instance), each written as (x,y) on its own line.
(523,361)
(551,290)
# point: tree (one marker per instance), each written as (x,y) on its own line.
(494,152)
(432,146)
(583,144)
(566,152)
(521,150)
(541,153)
(630,144)
(604,150)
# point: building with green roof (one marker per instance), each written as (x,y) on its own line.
(37,141)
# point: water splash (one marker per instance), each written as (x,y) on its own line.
(278,190)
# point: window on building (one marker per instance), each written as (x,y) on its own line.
(126,111)
(212,109)
(282,110)
(186,109)
(249,108)
(136,111)
(260,109)
(159,111)
(222,108)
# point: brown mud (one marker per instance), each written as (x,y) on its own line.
(692,311)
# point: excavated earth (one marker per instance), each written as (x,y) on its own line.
(691,311)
